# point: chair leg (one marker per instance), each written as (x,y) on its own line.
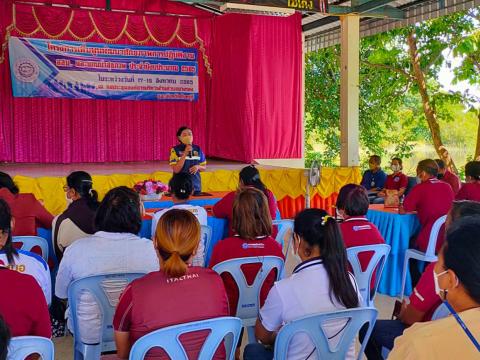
(404,275)
(251,334)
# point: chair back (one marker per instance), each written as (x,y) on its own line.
(22,346)
(314,326)
(285,228)
(412,182)
(375,266)
(169,339)
(432,240)
(106,290)
(440,312)
(249,295)
(206,237)
(29,242)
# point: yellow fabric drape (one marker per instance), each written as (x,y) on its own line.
(282,182)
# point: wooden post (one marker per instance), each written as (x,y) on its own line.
(349,90)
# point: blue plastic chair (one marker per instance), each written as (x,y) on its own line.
(375,266)
(284,226)
(249,295)
(99,287)
(206,236)
(29,242)
(22,346)
(169,339)
(427,256)
(313,326)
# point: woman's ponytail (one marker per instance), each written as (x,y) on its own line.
(6,227)
(174,265)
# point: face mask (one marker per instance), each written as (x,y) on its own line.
(438,291)
(69,201)
(187,139)
(292,250)
(338,214)
(395,168)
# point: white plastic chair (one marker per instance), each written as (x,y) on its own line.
(22,346)
(29,242)
(249,295)
(427,256)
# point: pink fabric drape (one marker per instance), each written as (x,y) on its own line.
(249,107)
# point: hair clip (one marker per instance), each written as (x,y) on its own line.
(90,192)
(325,219)
(87,181)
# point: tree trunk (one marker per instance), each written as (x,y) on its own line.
(477,148)
(428,109)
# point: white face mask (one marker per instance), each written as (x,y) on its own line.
(395,168)
(187,139)
(438,291)
(69,201)
(295,253)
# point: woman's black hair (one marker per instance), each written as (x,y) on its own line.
(7,182)
(180,130)
(6,227)
(4,339)
(472,169)
(250,176)
(356,202)
(342,195)
(181,185)
(463,208)
(82,183)
(119,212)
(318,228)
(461,254)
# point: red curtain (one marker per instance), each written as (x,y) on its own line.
(256,105)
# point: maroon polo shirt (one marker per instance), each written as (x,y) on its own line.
(431,199)
(453,180)
(23,305)
(469,191)
(423,297)
(156,301)
(358,231)
(236,247)
(396,181)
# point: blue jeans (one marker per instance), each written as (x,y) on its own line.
(383,335)
(257,351)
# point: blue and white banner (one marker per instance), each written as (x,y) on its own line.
(71,69)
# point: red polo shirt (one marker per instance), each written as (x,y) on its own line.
(224,208)
(423,297)
(156,301)
(28,213)
(469,191)
(23,305)
(236,247)
(358,231)
(430,199)
(453,180)
(396,181)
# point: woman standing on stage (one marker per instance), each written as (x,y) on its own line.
(188,158)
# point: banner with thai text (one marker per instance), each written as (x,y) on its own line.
(71,69)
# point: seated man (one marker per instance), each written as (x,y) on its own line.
(374,179)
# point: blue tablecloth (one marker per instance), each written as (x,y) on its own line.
(162,204)
(397,230)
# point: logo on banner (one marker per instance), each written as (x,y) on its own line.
(26,70)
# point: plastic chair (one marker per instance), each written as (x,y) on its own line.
(249,295)
(313,326)
(29,242)
(169,339)
(22,346)
(206,236)
(440,312)
(284,226)
(375,266)
(428,256)
(106,290)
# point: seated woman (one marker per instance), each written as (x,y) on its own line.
(422,302)
(320,283)
(457,282)
(356,229)
(22,261)
(395,181)
(471,189)
(114,248)
(181,188)
(340,203)
(28,212)
(249,177)
(253,227)
(77,220)
(175,294)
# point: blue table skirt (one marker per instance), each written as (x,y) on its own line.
(397,230)
(162,204)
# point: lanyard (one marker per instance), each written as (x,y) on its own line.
(463,325)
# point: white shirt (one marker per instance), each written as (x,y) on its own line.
(305,292)
(201,215)
(32,264)
(102,253)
